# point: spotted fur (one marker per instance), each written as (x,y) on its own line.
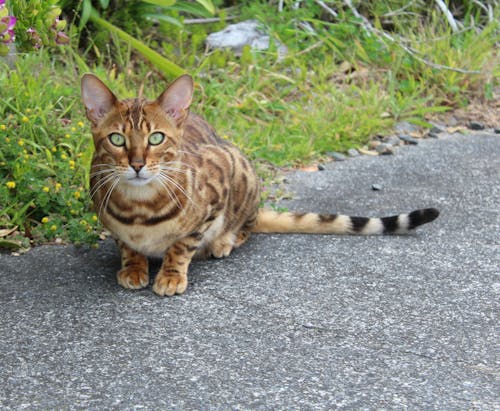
(164,184)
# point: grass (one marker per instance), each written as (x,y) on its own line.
(44,156)
(336,89)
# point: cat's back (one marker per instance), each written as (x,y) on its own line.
(197,132)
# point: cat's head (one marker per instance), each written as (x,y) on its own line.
(135,137)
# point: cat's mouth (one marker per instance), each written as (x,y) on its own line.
(139,181)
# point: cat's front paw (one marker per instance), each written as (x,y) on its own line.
(132,278)
(169,284)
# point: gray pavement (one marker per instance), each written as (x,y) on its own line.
(288,321)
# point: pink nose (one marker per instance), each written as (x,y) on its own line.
(137,164)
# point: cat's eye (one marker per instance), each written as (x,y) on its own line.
(156,138)
(117,139)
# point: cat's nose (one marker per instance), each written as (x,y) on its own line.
(137,164)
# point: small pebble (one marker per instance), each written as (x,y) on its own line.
(436,130)
(432,134)
(392,140)
(476,125)
(376,187)
(408,139)
(497,131)
(405,127)
(353,152)
(321,167)
(384,148)
(336,156)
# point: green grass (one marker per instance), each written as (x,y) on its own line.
(45,154)
(335,90)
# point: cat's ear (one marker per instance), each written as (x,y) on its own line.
(97,97)
(176,99)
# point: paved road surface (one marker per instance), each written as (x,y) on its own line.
(288,321)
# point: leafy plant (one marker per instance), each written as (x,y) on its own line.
(135,14)
(43,157)
(38,24)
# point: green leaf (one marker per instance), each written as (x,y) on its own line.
(161,17)
(192,8)
(208,5)
(104,3)
(161,63)
(10,244)
(162,3)
(86,10)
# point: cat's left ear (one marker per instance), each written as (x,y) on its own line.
(97,97)
(176,99)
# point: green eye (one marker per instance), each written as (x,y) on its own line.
(117,139)
(156,138)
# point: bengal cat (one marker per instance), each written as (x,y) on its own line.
(164,184)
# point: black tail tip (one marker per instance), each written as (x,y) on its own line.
(430,214)
(423,216)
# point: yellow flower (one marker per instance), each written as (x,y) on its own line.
(67,135)
(73,129)
(3,127)
(7,139)
(45,189)
(94,218)
(77,194)
(64,156)
(80,124)
(71,164)
(53,149)
(11,184)
(45,220)
(21,143)
(58,187)
(25,119)
(53,227)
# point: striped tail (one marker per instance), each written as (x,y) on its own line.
(269,221)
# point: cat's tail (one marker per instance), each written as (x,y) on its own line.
(269,221)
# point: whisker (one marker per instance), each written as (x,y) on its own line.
(175,183)
(171,194)
(107,197)
(102,182)
(100,172)
(177,163)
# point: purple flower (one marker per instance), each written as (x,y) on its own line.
(2,3)
(36,41)
(7,28)
(10,21)
(62,38)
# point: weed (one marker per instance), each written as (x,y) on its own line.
(43,158)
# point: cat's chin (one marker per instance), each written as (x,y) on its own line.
(138,181)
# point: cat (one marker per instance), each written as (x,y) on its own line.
(165,185)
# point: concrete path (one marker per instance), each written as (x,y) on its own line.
(288,321)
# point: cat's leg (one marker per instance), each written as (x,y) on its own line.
(134,272)
(222,245)
(172,277)
(241,238)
